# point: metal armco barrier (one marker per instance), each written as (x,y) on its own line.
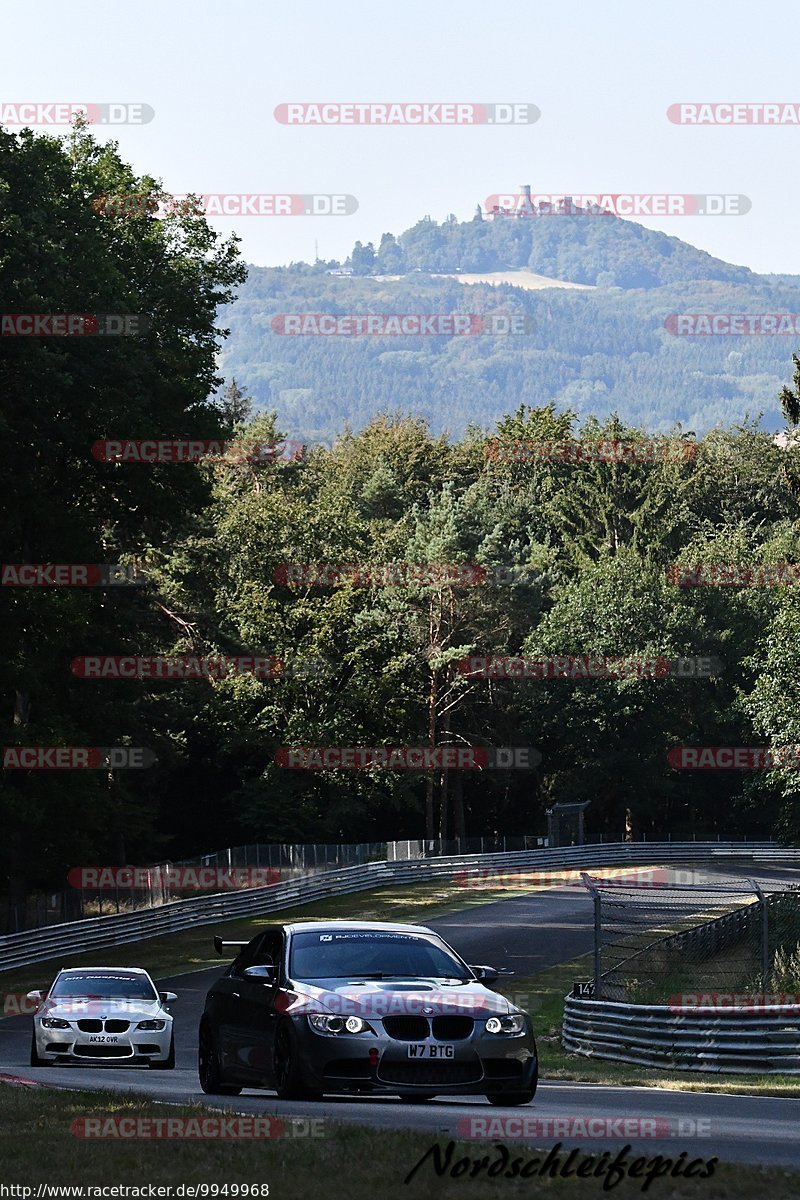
(98,933)
(760,1041)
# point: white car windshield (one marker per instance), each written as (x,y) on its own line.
(104,986)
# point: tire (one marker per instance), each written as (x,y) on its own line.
(514,1099)
(167,1064)
(208,1067)
(286,1071)
(35,1060)
(510,1099)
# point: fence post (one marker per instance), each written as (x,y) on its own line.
(595,894)
(765,962)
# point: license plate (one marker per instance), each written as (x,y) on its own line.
(426,1050)
(102,1037)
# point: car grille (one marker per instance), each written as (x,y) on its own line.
(58,1047)
(452,1029)
(407,1029)
(104,1051)
(112,1025)
(438,1074)
(418,1029)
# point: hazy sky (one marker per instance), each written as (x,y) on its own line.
(602,75)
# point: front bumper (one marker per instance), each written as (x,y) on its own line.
(481,1063)
(134,1046)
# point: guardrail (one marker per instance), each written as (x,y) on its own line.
(97,933)
(739,1040)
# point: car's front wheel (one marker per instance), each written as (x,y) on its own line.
(289,1082)
(208,1067)
(510,1099)
(168,1063)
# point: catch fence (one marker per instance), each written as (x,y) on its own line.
(652,945)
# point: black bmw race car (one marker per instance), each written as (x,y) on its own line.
(352,1006)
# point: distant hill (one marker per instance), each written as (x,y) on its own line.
(597,249)
(594,351)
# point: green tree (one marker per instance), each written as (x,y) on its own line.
(62,253)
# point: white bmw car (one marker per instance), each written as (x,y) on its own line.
(103,1015)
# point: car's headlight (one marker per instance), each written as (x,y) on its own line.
(514,1023)
(54,1023)
(151,1025)
(325,1024)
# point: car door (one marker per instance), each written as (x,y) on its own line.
(226,1009)
(258,1012)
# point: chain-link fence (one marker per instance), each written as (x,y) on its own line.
(686,939)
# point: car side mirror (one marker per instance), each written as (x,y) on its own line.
(267,974)
(486,974)
(36,997)
(168,997)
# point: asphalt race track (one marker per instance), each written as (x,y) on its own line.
(524,933)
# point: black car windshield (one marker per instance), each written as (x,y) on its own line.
(122,985)
(362,954)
